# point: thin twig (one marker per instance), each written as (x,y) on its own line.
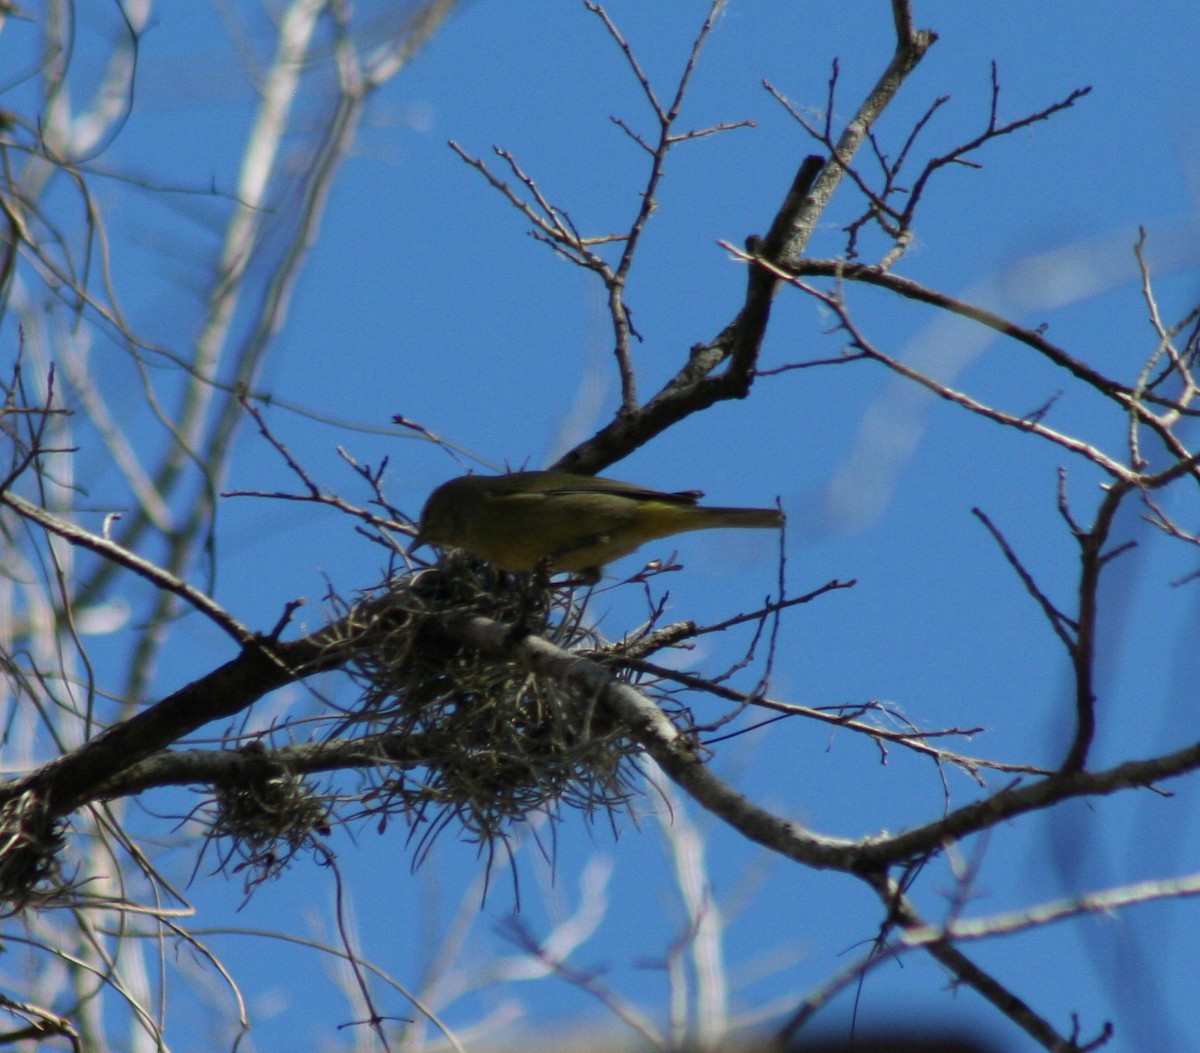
(121,556)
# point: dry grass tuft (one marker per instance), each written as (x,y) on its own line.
(497,742)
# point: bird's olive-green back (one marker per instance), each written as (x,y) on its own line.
(569,522)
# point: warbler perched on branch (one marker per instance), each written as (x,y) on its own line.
(559,521)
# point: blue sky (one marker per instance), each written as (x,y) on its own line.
(424,297)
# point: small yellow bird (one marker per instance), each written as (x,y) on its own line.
(566,522)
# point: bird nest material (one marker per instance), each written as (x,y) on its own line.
(264,818)
(495,742)
(30,846)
